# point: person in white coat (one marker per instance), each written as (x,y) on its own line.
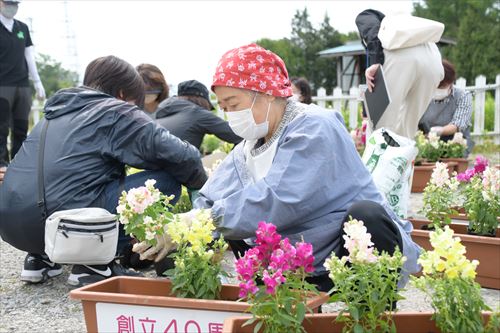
(411,63)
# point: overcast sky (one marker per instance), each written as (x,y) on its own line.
(185,39)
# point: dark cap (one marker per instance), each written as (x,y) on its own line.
(193,88)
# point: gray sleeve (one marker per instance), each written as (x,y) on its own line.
(137,141)
(213,124)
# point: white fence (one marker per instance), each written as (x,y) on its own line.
(351,102)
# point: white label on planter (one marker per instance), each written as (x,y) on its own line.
(122,318)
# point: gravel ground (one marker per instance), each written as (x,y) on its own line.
(47,307)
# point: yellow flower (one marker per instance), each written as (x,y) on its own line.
(448,256)
(440,266)
(469,270)
(452,272)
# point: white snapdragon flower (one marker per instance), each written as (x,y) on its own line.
(440,175)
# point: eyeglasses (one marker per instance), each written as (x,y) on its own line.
(152,92)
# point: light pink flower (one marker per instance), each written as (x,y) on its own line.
(491,180)
(358,242)
(139,199)
(440,175)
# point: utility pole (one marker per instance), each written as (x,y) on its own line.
(71,49)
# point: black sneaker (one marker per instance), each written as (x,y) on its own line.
(82,275)
(38,268)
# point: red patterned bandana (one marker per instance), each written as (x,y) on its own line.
(254,68)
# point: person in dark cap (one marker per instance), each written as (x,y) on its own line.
(188,115)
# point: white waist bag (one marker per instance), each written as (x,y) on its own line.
(81,236)
(401,31)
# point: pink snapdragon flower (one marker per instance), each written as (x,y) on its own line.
(273,260)
(466,176)
(267,240)
(248,265)
(273,281)
(480,164)
(280,260)
(248,287)
(304,257)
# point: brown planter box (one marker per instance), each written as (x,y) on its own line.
(422,175)
(128,302)
(462,163)
(484,249)
(406,322)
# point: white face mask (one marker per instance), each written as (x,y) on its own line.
(150,98)
(441,94)
(9,11)
(243,123)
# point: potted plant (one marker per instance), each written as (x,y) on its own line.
(454,151)
(365,281)
(194,300)
(448,279)
(440,195)
(430,150)
(279,305)
(481,186)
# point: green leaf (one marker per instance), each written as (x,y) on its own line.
(353,311)
(358,328)
(258,326)
(301,311)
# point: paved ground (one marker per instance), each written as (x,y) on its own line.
(47,307)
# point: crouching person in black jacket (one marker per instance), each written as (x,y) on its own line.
(93,132)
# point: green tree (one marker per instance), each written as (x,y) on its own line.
(300,52)
(475,25)
(54,77)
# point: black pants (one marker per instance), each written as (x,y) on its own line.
(15,106)
(385,236)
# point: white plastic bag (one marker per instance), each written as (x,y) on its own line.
(391,168)
(81,236)
(401,31)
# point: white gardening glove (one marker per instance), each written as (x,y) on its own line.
(40,91)
(438,130)
(164,244)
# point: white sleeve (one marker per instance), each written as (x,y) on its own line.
(29,54)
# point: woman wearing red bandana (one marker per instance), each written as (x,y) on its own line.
(297,168)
